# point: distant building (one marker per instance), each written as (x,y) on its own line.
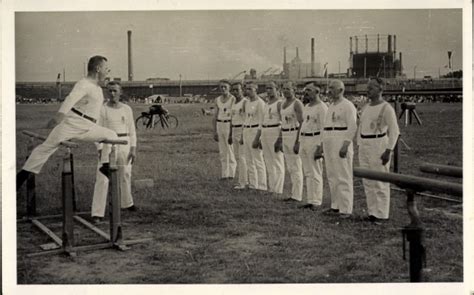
(297,69)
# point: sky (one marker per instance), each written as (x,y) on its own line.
(219,44)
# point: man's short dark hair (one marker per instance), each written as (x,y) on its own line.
(113,83)
(224,81)
(237,83)
(94,62)
(274,83)
(252,84)
(380,82)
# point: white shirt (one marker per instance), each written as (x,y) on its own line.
(86,96)
(288,116)
(378,120)
(254,112)
(119,120)
(271,115)
(224,109)
(313,117)
(342,114)
(237,112)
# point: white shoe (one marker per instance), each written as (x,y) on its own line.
(240,187)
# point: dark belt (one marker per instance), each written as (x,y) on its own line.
(271,126)
(310,134)
(250,126)
(122,134)
(373,135)
(83,115)
(289,129)
(335,128)
(236,126)
(223,121)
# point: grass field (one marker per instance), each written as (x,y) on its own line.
(205,232)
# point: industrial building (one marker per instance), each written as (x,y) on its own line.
(373,60)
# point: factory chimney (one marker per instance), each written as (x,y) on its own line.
(389,49)
(297,53)
(401,64)
(395,43)
(312,57)
(130,65)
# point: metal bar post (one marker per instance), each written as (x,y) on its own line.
(414,235)
(114,199)
(74,203)
(68,213)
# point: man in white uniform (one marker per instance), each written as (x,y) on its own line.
(76,119)
(339,130)
(270,136)
(237,122)
(253,110)
(377,137)
(292,117)
(314,114)
(119,118)
(222,130)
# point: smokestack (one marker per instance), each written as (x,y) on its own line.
(394,47)
(366,44)
(401,65)
(378,43)
(297,53)
(357,44)
(284,56)
(389,49)
(350,44)
(312,57)
(130,65)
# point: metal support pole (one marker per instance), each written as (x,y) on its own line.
(74,204)
(396,158)
(30,187)
(114,199)
(396,150)
(414,235)
(68,212)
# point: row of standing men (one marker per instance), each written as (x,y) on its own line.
(265,135)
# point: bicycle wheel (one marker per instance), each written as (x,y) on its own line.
(171,121)
(142,122)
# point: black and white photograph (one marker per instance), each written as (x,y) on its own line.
(237,149)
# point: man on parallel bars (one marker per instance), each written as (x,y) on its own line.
(76,119)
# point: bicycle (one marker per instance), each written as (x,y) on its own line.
(156,116)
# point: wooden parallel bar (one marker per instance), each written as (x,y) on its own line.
(114,141)
(415,183)
(446,170)
(38,136)
(47,231)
